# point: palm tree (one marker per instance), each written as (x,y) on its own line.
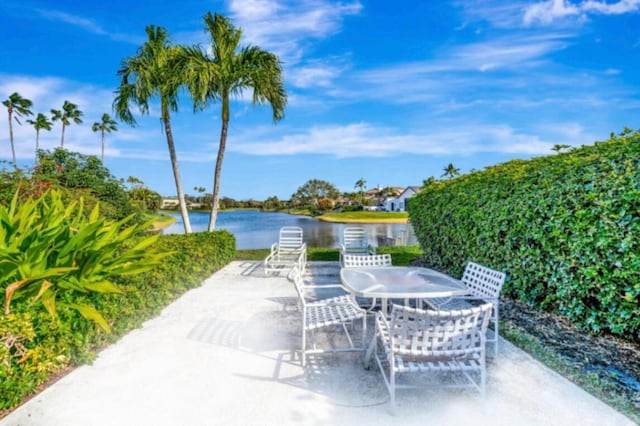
(19,106)
(361,183)
(107,125)
(40,123)
(70,112)
(229,71)
(155,71)
(451,171)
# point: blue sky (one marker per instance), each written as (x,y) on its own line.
(390,92)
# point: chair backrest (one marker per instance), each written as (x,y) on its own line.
(290,237)
(439,334)
(483,281)
(354,237)
(359,261)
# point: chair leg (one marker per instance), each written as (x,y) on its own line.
(496,331)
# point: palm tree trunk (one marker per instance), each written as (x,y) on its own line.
(102,157)
(37,143)
(13,150)
(176,171)
(218,169)
(62,138)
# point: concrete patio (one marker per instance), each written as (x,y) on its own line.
(224,354)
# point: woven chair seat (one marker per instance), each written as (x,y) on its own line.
(336,310)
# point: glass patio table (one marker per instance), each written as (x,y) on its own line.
(398,282)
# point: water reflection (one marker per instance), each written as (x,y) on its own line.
(254,229)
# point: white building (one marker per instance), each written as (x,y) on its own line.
(399,204)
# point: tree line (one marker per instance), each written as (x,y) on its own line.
(20,107)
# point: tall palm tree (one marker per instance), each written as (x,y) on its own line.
(107,125)
(156,70)
(69,113)
(229,71)
(361,183)
(19,106)
(40,123)
(451,171)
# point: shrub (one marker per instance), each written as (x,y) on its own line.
(55,343)
(564,228)
(51,252)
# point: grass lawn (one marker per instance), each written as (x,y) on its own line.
(400,255)
(160,221)
(365,217)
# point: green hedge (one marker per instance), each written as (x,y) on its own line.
(565,228)
(34,346)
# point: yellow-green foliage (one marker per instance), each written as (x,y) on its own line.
(51,252)
(53,343)
(565,228)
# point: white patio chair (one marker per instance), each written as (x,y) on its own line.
(368,261)
(325,313)
(355,242)
(485,285)
(417,342)
(289,251)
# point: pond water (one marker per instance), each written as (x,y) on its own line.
(254,229)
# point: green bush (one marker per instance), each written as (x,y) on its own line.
(52,344)
(564,227)
(51,252)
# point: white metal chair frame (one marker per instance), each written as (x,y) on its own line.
(328,312)
(485,285)
(367,261)
(415,341)
(289,251)
(355,242)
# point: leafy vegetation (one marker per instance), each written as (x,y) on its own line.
(564,227)
(35,345)
(51,252)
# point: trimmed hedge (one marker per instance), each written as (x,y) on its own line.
(565,228)
(35,346)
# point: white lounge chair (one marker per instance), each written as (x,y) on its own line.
(485,285)
(355,242)
(323,313)
(417,342)
(289,251)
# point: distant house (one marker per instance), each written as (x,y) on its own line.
(399,203)
(169,203)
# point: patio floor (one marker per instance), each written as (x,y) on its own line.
(224,354)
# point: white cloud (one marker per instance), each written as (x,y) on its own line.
(551,10)
(367,140)
(283,27)
(86,24)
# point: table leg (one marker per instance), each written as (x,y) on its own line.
(369,352)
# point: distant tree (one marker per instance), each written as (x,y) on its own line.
(361,184)
(134,181)
(429,181)
(315,189)
(145,199)
(69,113)
(19,106)
(559,147)
(451,171)
(228,71)
(157,70)
(271,203)
(201,190)
(40,123)
(106,125)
